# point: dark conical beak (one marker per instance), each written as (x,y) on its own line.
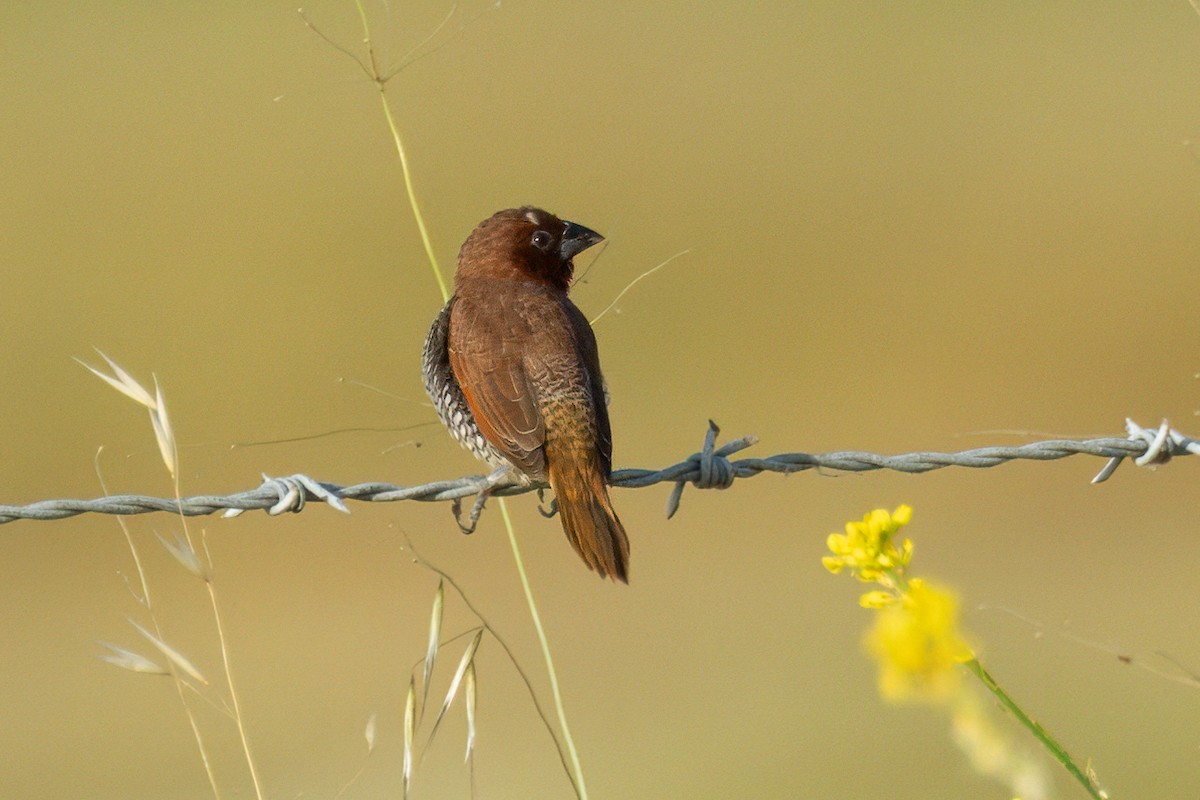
(576,239)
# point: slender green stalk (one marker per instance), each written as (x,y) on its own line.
(412,196)
(577,778)
(381,82)
(1041,734)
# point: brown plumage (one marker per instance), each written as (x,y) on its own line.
(512,368)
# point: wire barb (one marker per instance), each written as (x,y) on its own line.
(710,468)
(292,492)
(716,471)
(1161,445)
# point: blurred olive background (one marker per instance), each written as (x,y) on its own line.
(929,226)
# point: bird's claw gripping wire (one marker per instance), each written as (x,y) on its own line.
(547,511)
(494,481)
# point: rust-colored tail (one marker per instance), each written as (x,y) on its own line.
(588,517)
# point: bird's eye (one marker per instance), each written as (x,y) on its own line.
(541,240)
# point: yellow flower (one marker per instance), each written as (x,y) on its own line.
(918,646)
(878,599)
(868,549)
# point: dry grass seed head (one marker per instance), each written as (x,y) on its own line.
(467,658)
(369,733)
(435,634)
(174,656)
(164,434)
(470,711)
(186,555)
(134,662)
(127,385)
(410,728)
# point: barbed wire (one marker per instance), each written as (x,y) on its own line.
(710,468)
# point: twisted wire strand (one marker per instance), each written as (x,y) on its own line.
(710,468)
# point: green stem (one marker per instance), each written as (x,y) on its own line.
(381,81)
(577,778)
(1041,734)
(412,195)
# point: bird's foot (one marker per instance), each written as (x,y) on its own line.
(476,510)
(498,476)
(546,511)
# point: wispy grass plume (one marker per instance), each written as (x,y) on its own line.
(184,551)
(181,662)
(134,662)
(124,383)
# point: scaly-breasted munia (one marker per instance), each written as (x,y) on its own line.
(512,368)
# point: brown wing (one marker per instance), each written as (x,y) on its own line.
(586,343)
(485,356)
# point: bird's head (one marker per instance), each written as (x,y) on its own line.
(525,242)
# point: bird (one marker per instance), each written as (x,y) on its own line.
(512,368)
